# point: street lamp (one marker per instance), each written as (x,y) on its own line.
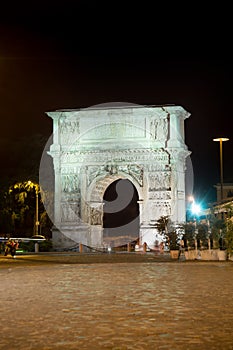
(195,208)
(37,223)
(37,209)
(221,140)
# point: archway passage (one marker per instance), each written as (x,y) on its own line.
(121,213)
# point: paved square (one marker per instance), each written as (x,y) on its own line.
(70,302)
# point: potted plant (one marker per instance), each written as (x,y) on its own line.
(172,235)
(173,244)
(218,232)
(189,241)
(162,226)
(189,236)
(202,236)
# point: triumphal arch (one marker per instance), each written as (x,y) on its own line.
(140,149)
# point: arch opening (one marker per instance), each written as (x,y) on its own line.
(120,213)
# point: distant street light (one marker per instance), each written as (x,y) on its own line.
(220,140)
(195,208)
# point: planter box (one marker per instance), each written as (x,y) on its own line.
(174,254)
(207,254)
(190,254)
(222,255)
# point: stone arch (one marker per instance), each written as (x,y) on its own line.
(143,144)
(95,206)
(99,185)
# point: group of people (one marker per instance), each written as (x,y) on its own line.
(10,247)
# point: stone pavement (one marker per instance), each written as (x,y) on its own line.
(115,301)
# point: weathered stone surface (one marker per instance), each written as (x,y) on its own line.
(96,146)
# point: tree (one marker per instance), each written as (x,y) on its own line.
(162,225)
(22,207)
(202,235)
(229,237)
(189,236)
(171,233)
(173,240)
(218,229)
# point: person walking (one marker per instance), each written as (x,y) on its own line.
(181,248)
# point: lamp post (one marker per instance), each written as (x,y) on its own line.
(221,140)
(37,209)
(37,223)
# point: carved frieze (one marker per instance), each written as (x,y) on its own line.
(70,196)
(128,156)
(153,167)
(69,170)
(112,168)
(69,130)
(68,125)
(70,183)
(160,208)
(159,180)
(96,215)
(71,157)
(162,130)
(93,172)
(136,171)
(70,212)
(153,128)
(160,195)
(159,129)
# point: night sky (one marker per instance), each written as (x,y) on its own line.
(75,54)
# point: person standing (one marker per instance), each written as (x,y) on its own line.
(181,247)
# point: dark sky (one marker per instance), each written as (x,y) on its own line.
(72,54)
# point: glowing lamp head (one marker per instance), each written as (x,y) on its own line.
(196,208)
(221,139)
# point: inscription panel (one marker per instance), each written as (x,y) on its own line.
(110,128)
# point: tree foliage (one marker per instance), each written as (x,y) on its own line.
(172,233)
(229,236)
(18,210)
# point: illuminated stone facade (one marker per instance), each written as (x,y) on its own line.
(96,146)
